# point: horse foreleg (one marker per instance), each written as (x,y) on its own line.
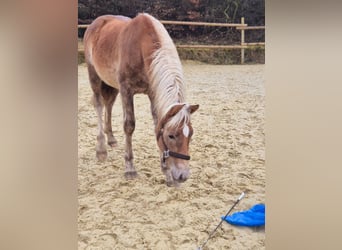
(153,111)
(109,95)
(129,126)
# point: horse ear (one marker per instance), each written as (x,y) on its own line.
(193,108)
(172,111)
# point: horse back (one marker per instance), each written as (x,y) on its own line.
(121,48)
(138,41)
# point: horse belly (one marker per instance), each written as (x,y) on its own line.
(108,76)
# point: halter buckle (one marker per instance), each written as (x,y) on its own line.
(166,154)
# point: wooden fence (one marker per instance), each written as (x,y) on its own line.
(239,26)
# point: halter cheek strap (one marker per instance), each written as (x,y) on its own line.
(167,153)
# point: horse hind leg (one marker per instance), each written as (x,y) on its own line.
(129,126)
(98,102)
(109,95)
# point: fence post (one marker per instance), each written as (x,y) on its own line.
(242,41)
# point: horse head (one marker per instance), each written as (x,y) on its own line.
(174,132)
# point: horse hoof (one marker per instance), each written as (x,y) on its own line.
(112,143)
(172,184)
(131,175)
(101,155)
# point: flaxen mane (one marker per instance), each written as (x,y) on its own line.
(166,76)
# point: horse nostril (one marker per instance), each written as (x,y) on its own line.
(182,177)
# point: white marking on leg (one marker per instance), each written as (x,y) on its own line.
(186,130)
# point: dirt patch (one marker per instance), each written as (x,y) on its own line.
(228,157)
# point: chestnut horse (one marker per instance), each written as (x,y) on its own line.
(131,56)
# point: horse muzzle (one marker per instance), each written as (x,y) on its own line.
(176,171)
(180,174)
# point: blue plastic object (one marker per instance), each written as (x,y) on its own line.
(253,217)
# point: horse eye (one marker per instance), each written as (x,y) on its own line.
(172,137)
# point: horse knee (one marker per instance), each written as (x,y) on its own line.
(97,100)
(129,126)
(100,137)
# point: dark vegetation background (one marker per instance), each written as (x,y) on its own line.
(222,11)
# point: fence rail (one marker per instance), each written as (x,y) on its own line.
(232,25)
(250,27)
(239,26)
(197,46)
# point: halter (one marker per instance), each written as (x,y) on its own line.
(167,153)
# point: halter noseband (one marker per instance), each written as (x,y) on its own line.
(167,153)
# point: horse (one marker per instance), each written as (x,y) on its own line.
(137,56)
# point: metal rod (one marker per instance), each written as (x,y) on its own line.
(212,233)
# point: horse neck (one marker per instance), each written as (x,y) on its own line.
(166,74)
(166,97)
(167,82)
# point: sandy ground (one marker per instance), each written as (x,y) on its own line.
(228,157)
